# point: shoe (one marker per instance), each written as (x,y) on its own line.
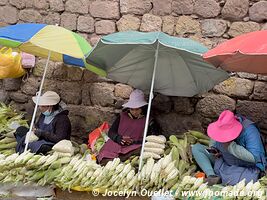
(213,179)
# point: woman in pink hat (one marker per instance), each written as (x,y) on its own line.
(126,133)
(236,151)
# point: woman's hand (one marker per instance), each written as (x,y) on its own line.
(126,140)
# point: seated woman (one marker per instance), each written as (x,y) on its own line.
(126,133)
(236,152)
(52,126)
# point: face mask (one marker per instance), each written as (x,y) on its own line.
(47,113)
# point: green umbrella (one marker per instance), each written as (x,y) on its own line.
(157,62)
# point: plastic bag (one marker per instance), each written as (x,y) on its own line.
(64,146)
(28,60)
(32,190)
(10,64)
(95,134)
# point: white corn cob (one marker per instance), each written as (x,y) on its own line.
(156,139)
(51,159)
(154,145)
(126,170)
(150,155)
(166,161)
(173,174)
(170,167)
(158,151)
(149,167)
(130,175)
(115,163)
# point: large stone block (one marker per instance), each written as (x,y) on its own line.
(3,2)
(183,105)
(105,9)
(186,24)
(8,14)
(105,27)
(77,6)
(260,90)
(30,87)
(11,84)
(168,23)
(162,7)
(235,87)
(84,119)
(247,75)
(3,95)
(30,15)
(239,28)
(151,23)
(258,11)
(212,105)
(18,97)
(20,4)
(102,94)
(122,90)
(138,7)
(207,8)
(175,124)
(69,21)
(86,24)
(213,27)
(40,67)
(162,104)
(70,92)
(74,73)
(256,111)
(52,18)
(183,7)
(235,9)
(57,5)
(128,22)
(41,4)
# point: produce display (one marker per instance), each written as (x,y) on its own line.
(168,165)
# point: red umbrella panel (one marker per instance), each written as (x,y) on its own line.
(245,53)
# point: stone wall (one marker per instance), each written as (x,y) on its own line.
(92,99)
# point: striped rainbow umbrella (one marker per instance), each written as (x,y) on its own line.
(41,40)
(48,41)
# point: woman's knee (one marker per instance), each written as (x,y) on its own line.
(196,148)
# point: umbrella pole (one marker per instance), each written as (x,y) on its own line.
(37,102)
(149,108)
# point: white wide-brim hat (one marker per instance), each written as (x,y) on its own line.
(137,100)
(49,98)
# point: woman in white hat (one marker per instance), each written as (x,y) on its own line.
(52,126)
(126,133)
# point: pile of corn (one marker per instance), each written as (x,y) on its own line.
(9,120)
(154,146)
(195,188)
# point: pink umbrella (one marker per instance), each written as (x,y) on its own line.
(245,53)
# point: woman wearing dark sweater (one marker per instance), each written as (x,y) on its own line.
(52,126)
(126,133)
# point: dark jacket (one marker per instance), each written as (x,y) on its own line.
(61,128)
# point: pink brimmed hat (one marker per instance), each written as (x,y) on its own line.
(226,128)
(137,100)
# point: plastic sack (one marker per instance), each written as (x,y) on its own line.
(162,197)
(64,146)
(28,60)
(32,190)
(10,64)
(95,134)
(31,137)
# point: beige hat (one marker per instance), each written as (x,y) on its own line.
(49,98)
